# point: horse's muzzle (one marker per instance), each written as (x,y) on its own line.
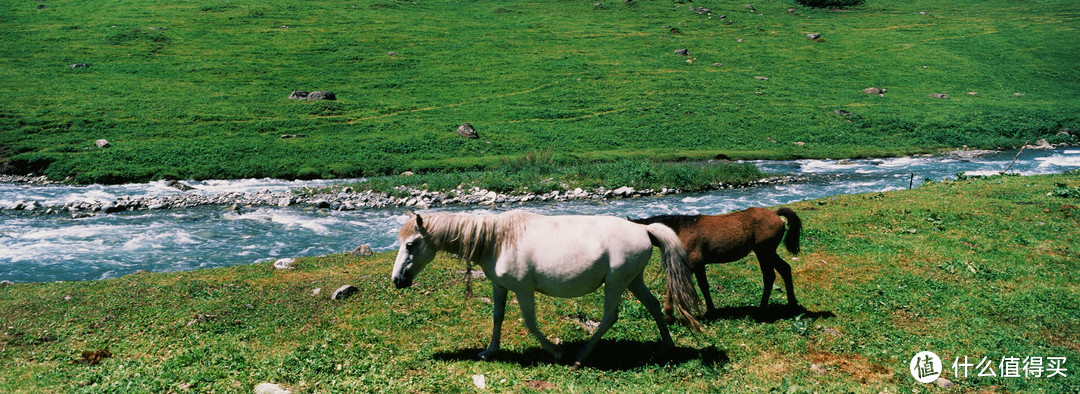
(402,282)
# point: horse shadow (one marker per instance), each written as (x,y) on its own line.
(770,314)
(617,355)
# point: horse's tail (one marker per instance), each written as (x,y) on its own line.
(680,285)
(791,240)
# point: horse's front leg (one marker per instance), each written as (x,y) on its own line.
(527,302)
(499,298)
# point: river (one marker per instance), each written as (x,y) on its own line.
(39,248)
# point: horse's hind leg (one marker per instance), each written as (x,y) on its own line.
(703,284)
(499,298)
(641,291)
(785,272)
(612,299)
(527,302)
(768,276)
(769,261)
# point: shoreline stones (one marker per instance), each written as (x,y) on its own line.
(339,199)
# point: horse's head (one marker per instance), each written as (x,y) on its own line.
(415,253)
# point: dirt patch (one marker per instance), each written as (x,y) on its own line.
(539,385)
(857,366)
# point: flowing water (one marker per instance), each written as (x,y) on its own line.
(37,248)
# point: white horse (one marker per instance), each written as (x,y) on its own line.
(561,256)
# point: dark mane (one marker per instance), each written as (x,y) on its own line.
(676,222)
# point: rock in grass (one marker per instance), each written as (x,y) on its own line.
(814,36)
(939,96)
(321,95)
(682,51)
(284,264)
(468,131)
(101,143)
(873,90)
(362,251)
(80,65)
(344,292)
(6,283)
(298,95)
(944,383)
(270,388)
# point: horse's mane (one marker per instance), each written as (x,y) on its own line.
(470,237)
(676,222)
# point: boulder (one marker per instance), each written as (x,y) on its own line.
(270,388)
(298,95)
(179,185)
(284,264)
(362,251)
(624,191)
(814,36)
(466,130)
(321,95)
(1041,144)
(101,143)
(682,51)
(873,90)
(344,292)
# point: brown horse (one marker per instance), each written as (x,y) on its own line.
(730,237)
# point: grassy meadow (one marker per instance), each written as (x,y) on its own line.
(198,89)
(984,267)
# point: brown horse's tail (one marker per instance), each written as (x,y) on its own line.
(680,285)
(791,240)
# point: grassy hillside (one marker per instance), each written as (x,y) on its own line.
(973,268)
(198,89)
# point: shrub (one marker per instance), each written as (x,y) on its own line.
(830,3)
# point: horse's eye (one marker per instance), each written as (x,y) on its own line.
(408,245)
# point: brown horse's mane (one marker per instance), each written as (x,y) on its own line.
(676,222)
(470,237)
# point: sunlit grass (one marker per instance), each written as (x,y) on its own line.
(978,267)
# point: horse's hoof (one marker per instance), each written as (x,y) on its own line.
(577,366)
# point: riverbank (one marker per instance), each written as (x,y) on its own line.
(980,268)
(145,97)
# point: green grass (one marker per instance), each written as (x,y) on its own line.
(540,172)
(206,96)
(978,267)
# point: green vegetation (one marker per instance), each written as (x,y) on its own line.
(539,172)
(830,3)
(198,89)
(984,267)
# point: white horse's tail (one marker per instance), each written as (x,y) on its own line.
(680,285)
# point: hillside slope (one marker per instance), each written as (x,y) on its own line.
(200,89)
